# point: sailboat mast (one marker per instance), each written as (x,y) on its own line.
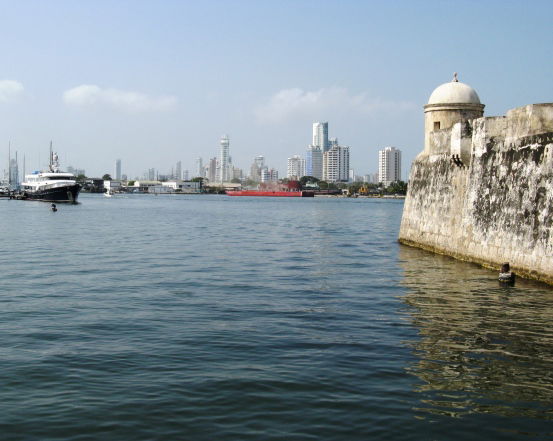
(9,163)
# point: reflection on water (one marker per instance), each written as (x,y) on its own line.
(482,347)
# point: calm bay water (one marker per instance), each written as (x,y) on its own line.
(219,318)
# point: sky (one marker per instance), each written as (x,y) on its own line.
(156,82)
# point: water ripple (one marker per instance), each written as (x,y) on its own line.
(203,317)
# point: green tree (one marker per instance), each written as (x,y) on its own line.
(355,187)
(106,177)
(308,179)
(397,187)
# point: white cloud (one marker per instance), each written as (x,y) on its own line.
(293,103)
(10,90)
(91,95)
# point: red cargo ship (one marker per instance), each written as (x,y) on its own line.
(287,194)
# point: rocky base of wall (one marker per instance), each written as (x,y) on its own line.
(490,264)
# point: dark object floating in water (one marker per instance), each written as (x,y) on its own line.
(506,275)
(53,207)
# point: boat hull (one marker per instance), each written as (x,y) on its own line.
(286,194)
(67,194)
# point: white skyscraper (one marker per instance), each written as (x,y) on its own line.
(336,164)
(314,162)
(178,170)
(224,171)
(296,167)
(256,167)
(259,161)
(199,168)
(118,169)
(320,135)
(389,165)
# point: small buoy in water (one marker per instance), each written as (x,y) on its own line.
(53,207)
(506,275)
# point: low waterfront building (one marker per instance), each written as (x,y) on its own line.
(93,185)
(143,185)
(113,185)
(182,186)
(160,189)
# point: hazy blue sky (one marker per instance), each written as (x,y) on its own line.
(154,82)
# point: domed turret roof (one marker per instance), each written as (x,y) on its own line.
(454,92)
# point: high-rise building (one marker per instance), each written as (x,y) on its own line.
(389,165)
(118,169)
(320,135)
(237,173)
(260,161)
(256,167)
(269,175)
(336,164)
(151,174)
(296,167)
(199,168)
(314,162)
(178,170)
(255,172)
(212,170)
(371,178)
(224,170)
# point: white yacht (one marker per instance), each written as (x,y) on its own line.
(50,186)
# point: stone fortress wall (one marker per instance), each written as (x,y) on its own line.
(482,189)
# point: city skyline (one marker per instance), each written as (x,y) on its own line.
(142,82)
